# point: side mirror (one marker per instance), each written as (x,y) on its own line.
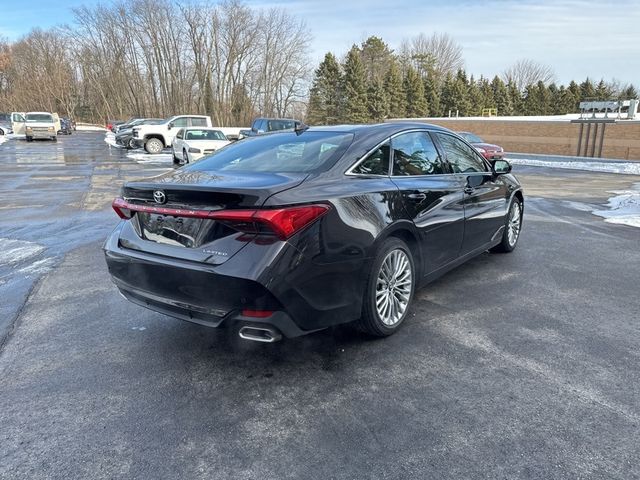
(501,167)
(170,126)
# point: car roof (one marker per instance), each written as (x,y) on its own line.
(379,131)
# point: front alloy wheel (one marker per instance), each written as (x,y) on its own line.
(512,228)
(389,289)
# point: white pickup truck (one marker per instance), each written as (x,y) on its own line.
(154,138)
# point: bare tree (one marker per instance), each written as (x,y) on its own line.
(528,72)
(437,54)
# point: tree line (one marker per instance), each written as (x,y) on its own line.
(156,58)
(426,78)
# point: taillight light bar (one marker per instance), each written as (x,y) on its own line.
(284,222)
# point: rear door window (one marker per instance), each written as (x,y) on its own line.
(414,153)
(376,163)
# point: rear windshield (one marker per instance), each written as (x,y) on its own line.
(470,137)
(282,152)
(205,135)
(39,117)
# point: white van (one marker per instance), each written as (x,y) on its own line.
(34,125)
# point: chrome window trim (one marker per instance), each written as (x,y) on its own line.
(349,171)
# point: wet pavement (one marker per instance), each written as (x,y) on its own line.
(512,366)
(56,197)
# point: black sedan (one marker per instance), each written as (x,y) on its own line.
(289,233)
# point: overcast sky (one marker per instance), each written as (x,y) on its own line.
(577,38)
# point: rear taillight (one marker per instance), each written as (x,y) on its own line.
(283,222)
(121,207)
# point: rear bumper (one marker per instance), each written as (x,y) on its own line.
(209,295)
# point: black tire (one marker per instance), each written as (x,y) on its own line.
(55,139)
(154,146)
(176,160)
(371,321)
(29,139)
(131,144)
(508,244)
(185,156)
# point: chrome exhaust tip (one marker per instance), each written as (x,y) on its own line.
(260,334)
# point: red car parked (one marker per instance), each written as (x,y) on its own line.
(487,150)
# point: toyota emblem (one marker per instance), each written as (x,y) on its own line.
(159,196)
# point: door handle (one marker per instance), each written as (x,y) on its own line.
(417,196)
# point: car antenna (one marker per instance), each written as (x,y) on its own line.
(300,127)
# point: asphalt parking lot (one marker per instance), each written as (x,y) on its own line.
(512,366)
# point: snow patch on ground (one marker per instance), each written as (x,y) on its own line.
(627,168)
(624,208)
(3,138)
(110,139)
(90,128)
(159,158)
(16,251)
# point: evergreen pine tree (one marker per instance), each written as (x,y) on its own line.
(377,100)
(486,94)
(447,100)
(432,95)
(376,58)
(553,97)
(476,100)
(325,94)
(355,89)
(501,96)
(414,90)
(515,98)
(629,93)
(460,94)
(603,91)
(574,93)
(395,92)
(587,92)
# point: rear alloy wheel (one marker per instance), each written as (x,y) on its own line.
(512,228)
(390,289)
(153,146)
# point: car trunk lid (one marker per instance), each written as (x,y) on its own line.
(170,214)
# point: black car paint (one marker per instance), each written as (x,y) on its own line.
(316,278)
